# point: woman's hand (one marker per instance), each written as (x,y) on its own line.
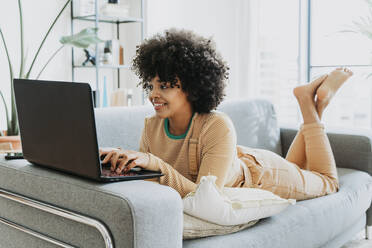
(124,160)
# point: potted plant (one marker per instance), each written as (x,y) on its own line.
(9,139)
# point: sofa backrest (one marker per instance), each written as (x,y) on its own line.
(255,123)
(254,119)
(121,126)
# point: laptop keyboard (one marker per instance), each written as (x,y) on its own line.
(106,172)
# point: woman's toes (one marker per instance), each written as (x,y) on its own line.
(347,70)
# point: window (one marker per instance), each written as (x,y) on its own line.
(331,48)
(277,55)
(291,51)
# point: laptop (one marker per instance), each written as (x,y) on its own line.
(58,130)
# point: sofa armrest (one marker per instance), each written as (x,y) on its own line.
(136,213)
(351,148)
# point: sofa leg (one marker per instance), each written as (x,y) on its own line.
(368,232)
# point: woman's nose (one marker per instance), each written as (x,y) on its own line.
(154,92)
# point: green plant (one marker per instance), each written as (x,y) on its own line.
(83,39)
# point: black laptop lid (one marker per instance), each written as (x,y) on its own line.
(57,125)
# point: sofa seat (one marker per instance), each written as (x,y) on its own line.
(291,228)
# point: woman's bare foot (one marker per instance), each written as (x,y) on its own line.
(305,95)
(329,88)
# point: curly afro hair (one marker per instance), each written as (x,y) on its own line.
(190,58)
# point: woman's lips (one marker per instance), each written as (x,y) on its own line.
(159,106)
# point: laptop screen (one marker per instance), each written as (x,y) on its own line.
(57,125)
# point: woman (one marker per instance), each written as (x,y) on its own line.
(185,80)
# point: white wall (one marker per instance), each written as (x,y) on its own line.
(226,21)
(37,17)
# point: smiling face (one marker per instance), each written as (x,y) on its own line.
(168,102)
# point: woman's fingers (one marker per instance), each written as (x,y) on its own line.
(114,160)
(106,150)
(124,160)
(102,153)
(130,166)
(124,164)
(107,157)
(121,166)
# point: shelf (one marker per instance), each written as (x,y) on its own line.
(96,18)
(104,66)
(108,19)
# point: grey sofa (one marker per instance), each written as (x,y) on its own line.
(45,208)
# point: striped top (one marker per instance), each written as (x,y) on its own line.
(216,148)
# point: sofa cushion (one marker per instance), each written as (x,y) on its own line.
(254,120)
(310,223)
(255,123)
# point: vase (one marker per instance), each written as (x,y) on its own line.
(10,144)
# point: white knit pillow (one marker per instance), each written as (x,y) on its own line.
(231,206)
(197,228)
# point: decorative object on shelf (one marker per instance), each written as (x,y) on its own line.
(107,53)
(121,97)
(89,58)
(129,97)
(119,16)
(115,9)
(118,98)
(83,7)
(104,101)
(121,55)
(110,53)
(85,37)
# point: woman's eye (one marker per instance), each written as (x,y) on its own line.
(163,87)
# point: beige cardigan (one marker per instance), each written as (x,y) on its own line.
(216,149)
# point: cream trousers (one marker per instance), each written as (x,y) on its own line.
(308,171)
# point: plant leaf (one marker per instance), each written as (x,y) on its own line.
(6,109)
(21,32)
(82,39)
(51,57)
(46,35)
(9,122)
